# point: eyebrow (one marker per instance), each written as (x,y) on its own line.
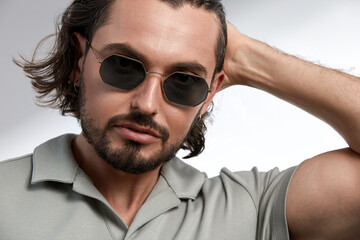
(194,67)
(124,48)
(128,50)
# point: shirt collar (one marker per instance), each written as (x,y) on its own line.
(54,161)
(185,181)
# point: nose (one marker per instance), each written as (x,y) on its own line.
(148,95)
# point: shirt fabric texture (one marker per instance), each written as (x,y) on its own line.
(46,195)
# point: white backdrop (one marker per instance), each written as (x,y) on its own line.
(250,128)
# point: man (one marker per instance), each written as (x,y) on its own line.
(141,83)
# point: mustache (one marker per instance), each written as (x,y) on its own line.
(141,120)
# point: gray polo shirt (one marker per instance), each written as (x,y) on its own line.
(46,195)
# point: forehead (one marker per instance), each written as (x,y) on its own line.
(162,33)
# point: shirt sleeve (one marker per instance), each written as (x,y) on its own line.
(268,191)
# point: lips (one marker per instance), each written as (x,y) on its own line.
(137,133)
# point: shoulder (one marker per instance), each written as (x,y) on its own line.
(15,169)
(16,160)
(261,190)
(258,197)
(15,176)
(257,183)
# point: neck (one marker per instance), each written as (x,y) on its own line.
(125,192)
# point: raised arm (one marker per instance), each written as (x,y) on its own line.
(324,195)
(330,95)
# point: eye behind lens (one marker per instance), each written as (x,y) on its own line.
(122,73)
(183,80)
(186,90)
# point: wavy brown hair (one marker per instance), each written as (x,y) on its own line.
(50,76)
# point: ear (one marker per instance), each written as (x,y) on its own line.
(80,44)
(215,87)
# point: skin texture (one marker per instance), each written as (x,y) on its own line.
(164,39)
(324,196)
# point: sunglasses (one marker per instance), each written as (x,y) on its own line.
(125,73)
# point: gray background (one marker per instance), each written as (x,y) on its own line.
(250,128)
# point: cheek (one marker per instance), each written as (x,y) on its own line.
(180,123)
(102,101)
(93,93)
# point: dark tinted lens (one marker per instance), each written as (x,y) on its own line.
(122,73)
(186,90)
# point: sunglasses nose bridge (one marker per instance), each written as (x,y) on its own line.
(157,73)
(163,77)
(147,98)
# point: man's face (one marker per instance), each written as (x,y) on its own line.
(138,130)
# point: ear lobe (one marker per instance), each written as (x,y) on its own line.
(80,46)
(215,87)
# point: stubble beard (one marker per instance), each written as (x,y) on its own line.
(128,157)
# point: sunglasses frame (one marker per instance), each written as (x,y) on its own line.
(163,77)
